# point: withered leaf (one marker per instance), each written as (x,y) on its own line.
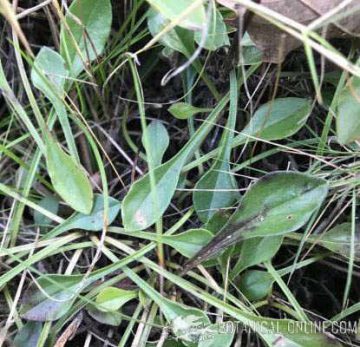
(275,44)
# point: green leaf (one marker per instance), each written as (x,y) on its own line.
(255,284)
(143,206)
(216,33)
(177,39)
(112,298)
(276,119)
(90,222)
(251,55)
(348,112)
(51,204)
(276,204)
(49,74)
(89,23)
(255,251)
(69,179)
(28,335)
(112,318)
(159,141)
(189,242)
(338,240)
(217,188)
(51,297)
(172,9)
(183,110)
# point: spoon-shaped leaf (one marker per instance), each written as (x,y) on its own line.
(217,188)
(112,298)
(158,141)
(348,112)
(139,210)
(89,23)
(54,299)
(68,178)
(277,119)
(183,110)
(90,222)
(171,9)
(276,204)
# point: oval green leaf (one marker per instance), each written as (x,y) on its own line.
(183,110)
(276,120)
(158,141)
(69,179)
(276,204)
